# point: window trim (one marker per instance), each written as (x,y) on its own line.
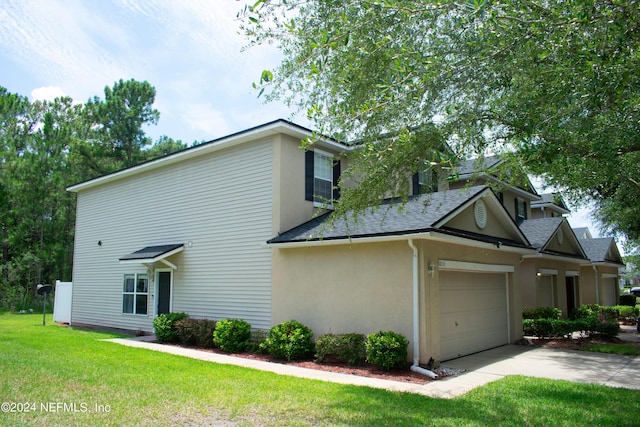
(135,293)
(310,177)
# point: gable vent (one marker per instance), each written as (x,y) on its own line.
(560,236)
(480,214)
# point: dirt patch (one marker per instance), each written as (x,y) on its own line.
(402,375)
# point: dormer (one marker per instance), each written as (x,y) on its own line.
(550,205)
(487,171)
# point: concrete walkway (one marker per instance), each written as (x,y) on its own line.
(480,369)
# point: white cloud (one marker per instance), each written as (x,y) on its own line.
(206,119)
(47,93)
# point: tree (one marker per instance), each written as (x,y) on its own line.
(556,83)
(163,146)
(116,136)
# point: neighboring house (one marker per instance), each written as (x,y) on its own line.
(188,231)
(551,276)
(600,278)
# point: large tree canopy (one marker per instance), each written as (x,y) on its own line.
(555,82)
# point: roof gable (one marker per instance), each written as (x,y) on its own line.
(602,250)
(420,214)
(484,169)
(552,236)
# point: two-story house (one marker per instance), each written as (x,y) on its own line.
(227,229)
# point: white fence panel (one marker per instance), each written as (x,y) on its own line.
(62,302)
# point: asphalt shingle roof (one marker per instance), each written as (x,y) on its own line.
(419,214)
(597,249)
(539,231)
(151,252)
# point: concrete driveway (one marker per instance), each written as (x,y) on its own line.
(606,369)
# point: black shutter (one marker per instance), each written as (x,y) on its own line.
(336,178)
(308,175)
(416,184)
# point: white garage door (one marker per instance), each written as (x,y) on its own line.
(608,291)
(473,312)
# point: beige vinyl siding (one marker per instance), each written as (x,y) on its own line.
(220,202)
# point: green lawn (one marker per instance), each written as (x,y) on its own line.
(102,383)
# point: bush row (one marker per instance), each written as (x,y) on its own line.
(289,340)
(559,328)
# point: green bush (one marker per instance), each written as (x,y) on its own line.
(586,310)
(164,326)
(541,313)
(387,349)
(195,332)
(346,348)
(609,328)
(232,335)
(610,313)
(627,312)
(289,340)
(628,299)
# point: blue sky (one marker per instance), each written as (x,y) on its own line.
(189,50)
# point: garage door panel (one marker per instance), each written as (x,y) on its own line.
(473,313)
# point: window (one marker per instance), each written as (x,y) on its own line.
(321,176)
(425,181)
(135,292)
(521,210)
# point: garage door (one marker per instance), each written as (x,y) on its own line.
(473,312)
(608,292)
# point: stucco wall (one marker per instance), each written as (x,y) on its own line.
(367,287)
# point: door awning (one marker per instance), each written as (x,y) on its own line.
(152,254)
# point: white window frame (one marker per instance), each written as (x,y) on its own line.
(135,293)
(319,158)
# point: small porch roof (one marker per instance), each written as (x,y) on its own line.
(151,254)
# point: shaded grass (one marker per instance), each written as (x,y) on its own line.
(141,387)
(626,348)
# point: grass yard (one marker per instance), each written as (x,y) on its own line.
(61,376)
(627,348)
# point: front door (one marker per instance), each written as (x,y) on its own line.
(164,292)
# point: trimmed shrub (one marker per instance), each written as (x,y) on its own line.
(628,312)
(289,340)
(586,310)
(164,324)
(387,349)
(195,332)
(608,329)
(610,314)
(346,348)
(628,299)
(232,335)
(541,313)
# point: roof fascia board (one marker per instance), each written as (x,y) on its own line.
(264,131)
(552,257)
(550,206)
(431,235)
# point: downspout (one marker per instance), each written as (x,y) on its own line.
(415,367)
(595,276)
